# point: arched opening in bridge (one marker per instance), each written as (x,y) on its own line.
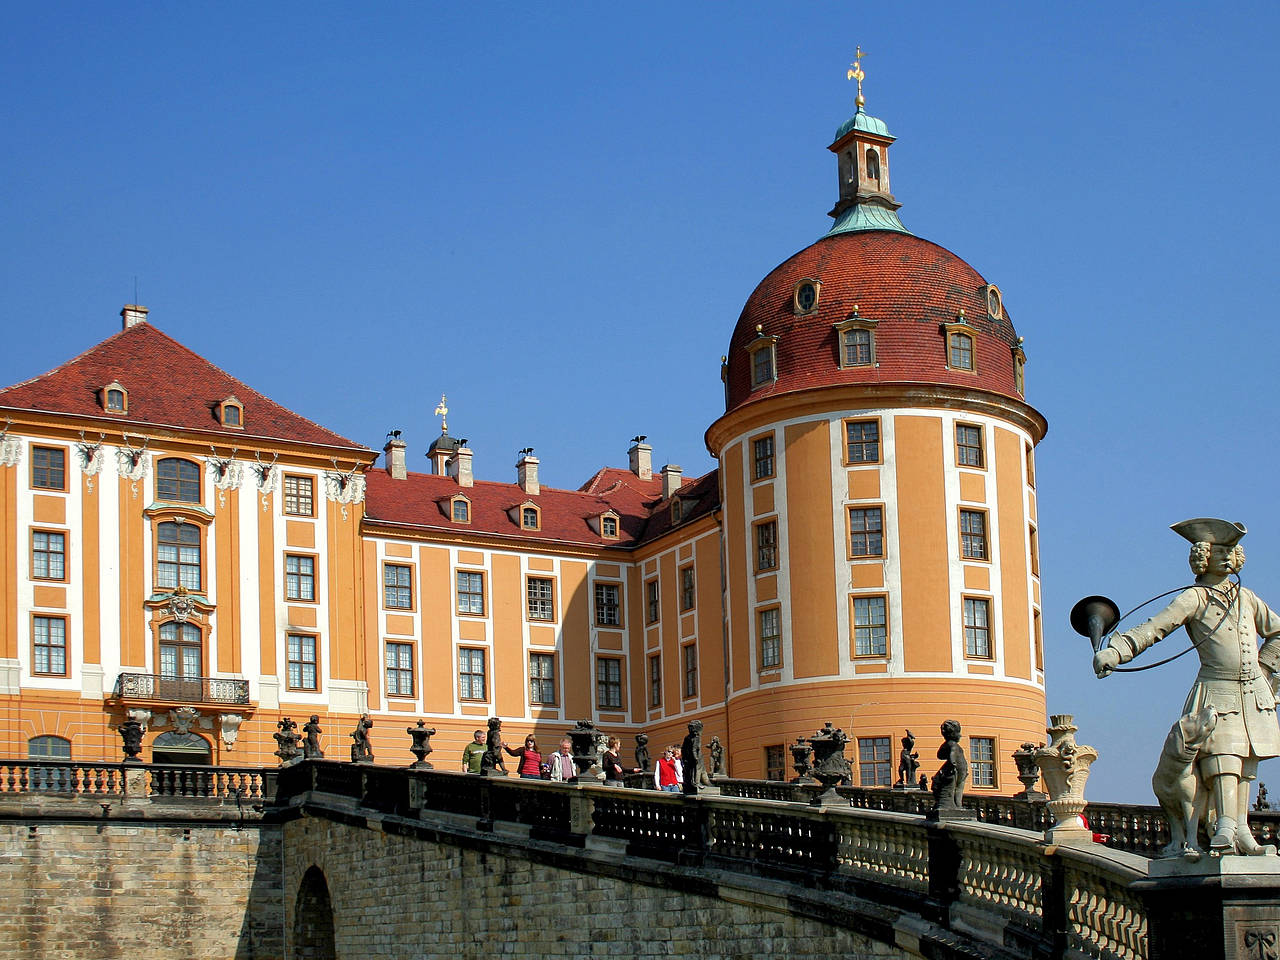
(313,919)
(174,747)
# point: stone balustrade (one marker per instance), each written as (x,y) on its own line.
(59,778)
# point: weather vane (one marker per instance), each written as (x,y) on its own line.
(443,412)
(856,74)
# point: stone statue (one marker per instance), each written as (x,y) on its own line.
(950,780)
(802,761)
(908,762)
(830,766)
(131,733)
(1261,803)
(287,741)
(924,783)
(717,758)
(362,748)
(491,764)
(691,758)
(421,735)
(642,752)
(311,745)
(1228,722)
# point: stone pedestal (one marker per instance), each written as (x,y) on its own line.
(1220,908)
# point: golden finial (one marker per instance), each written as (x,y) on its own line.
(857,74)
(442,412)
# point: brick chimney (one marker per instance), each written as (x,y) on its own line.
(132,315)
(527,472)
(460,467)
(393,454)
(641,458)
(671,479)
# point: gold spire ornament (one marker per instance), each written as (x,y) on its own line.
(442,412)
(856,74)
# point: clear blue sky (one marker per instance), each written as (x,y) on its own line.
(555,213)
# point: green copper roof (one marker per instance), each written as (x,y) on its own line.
(865,123)
(865,216)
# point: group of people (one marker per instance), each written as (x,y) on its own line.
(559,766)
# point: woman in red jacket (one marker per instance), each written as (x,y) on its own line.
(530,765)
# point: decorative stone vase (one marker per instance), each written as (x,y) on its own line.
(1028,772)
(585,754)
(802,757)
(829,764)
(421,735)
(1065,767)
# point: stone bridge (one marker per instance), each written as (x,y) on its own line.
(326,859)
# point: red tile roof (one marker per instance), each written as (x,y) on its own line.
(907,285)
(423,500)
(168,386)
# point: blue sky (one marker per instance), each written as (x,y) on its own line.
(555,213)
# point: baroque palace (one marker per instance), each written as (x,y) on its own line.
(176,546)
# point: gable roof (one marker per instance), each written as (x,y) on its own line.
(168,385)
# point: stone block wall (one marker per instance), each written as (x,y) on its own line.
(405,897)
(139,889)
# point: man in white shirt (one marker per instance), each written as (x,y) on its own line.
(562,768)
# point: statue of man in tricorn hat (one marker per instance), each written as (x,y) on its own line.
(1228,722)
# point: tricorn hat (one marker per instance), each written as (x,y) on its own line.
(1208,530)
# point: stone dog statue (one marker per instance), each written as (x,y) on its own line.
(1177,785)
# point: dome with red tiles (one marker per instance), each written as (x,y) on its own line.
(918,303)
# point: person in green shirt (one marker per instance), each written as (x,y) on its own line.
(472,753)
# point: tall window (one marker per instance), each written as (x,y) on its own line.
(968,445)
(688,591)
(542,678)
(177,480)
(299,577)
(399,662)
(180,651)
(541,599)
(762,457)
(982,761)
(178,556)
(862,441)
(767,545)
(608,610)
(470,592)
(873,762)
(655,681)
(529,518)
(870,630)
(690,670)
(973,534)
(471,673)
(762,365)
(652,606)
(1033,545)
(302,674)
(857,347)
(769,624)
(397,586)
(461,511)
(48,468)
(48,555)
(873,165)
(299,496)
(961,351)
(866,532)
(1020,375)
(977,627)
(49,643)
(609,683)
(775,762)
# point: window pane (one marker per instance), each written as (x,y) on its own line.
(540,601)
(869,627)
(866,534)
(298,496)
(770,632)
(762,449)
(862,441)
(48,468)
(399,666)
(470,592)
(608,612)
(873,762)
(178,480)
(857,348)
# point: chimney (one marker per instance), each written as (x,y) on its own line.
(641,457)
(527,472)
(460,467)
(132,315)
(393,454)
(670,479)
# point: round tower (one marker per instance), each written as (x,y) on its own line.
(878,488)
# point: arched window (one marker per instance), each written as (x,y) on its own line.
(177,480)
(181,650)
(873,165)
(852,176)
(961,353)
(178,556)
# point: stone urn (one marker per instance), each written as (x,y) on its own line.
(586,753)
(802,760)
(830,767)
(1064,764)
(421,735)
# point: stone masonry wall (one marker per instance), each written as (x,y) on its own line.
(399,897)
(140,890)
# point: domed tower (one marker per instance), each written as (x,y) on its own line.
(878,485)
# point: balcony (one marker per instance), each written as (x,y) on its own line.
(151,688)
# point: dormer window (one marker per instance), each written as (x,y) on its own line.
(609,526)
(1019,368)
(804,298)
(460,510)
(857,340)
(873,165)
(530,518)
(231,413)
(960,352)
(995,303)
(677,510)
(763,358)
(115,398)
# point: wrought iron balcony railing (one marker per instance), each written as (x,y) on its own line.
(150,686)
